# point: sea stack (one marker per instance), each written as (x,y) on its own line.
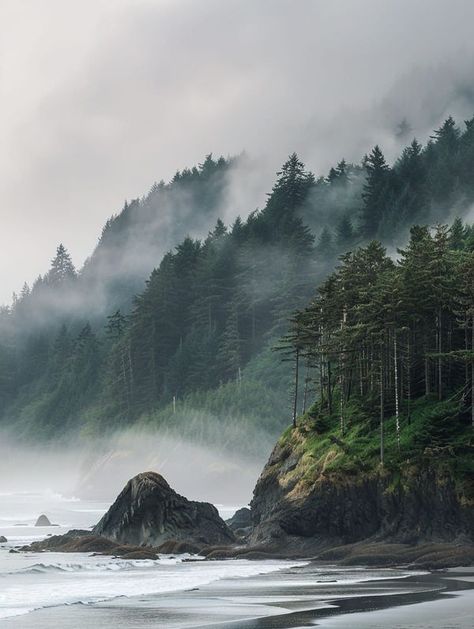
(43,521)
(149,512)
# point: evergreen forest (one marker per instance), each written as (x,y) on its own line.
(167,328)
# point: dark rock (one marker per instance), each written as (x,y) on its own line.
(144,553)
(78,541)
(241,519)
(3,539)
(43,521)
(427,556)
(148,512)
(175,547)
(419,505)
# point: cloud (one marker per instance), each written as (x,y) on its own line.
(103,97)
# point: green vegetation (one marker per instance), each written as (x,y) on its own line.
(191,349)
(435,434)
(389,349)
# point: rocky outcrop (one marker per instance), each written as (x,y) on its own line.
(148,512)
(241,519)
(292,507)
(43,521)
(3,539)
(78,541)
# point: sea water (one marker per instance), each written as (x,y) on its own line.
(31,581)
(60,583)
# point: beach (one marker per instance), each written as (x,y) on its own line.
(291,597)
(71,590)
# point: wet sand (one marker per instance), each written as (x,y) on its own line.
(293,598)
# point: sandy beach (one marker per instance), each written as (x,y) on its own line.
(312,595)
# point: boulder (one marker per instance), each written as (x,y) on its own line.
(43,521)
(3,539)
(148,513)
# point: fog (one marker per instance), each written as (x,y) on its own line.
(102,98)
(98,468)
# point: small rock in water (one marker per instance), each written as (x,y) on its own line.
(43,521)
(3,539)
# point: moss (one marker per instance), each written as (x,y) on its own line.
(435,435)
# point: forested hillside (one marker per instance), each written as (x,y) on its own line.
(192,351)
(381,334)
(384,448)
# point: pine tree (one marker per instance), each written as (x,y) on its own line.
(325,244)
(457,234)
(281,219)
(344,233)
(375,191)
(229,355)
(62,268)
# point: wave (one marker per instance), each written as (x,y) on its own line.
(92,580)
(109,565)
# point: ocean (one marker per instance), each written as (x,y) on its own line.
(32,581)
(77,590)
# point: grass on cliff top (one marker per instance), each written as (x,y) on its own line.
(435,433)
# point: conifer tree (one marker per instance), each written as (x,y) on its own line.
(62,268)
(375,192)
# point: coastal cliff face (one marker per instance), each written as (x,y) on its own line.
(148,512)
(300,501)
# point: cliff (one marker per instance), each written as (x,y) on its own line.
(320,490)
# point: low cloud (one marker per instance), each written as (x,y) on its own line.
(102,98)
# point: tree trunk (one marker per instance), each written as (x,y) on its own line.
(329,388)
(395,372)
(295,397)
(382,410)
(341,403)
(440,360)
(305,391)
(409,376)
(427,376)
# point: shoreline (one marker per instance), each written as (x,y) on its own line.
(381,554)
(290,598)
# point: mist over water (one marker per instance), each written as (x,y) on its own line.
(98,468)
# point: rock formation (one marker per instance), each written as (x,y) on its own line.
(43,521)
(291,508)
(148,512)
(3,539)
(241,522)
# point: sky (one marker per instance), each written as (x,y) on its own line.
(100,98)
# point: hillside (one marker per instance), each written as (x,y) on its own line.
(387,451)
(190,350)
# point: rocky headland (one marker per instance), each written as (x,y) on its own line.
(319,496)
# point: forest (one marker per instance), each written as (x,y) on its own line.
(191,348)
(381,335)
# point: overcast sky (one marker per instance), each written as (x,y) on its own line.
(99,98)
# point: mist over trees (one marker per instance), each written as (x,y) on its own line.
(95,349)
